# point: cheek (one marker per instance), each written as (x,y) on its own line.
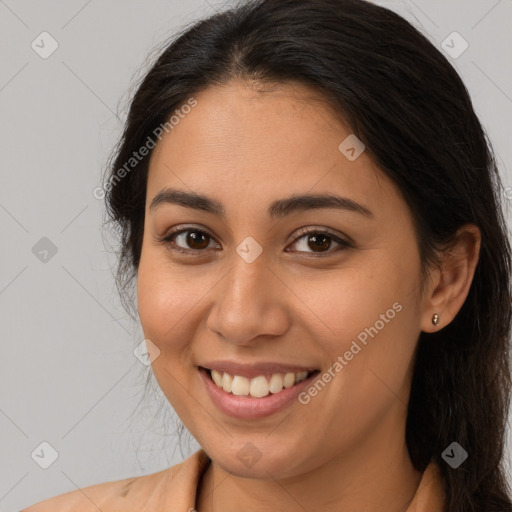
(367,316)
(163,299)
(347,300)
(164,306)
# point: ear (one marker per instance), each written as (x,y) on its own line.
(450,283)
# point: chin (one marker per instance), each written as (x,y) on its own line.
(261,460)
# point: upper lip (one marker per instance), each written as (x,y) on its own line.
(251,370)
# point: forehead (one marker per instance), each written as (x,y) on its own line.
(247,147)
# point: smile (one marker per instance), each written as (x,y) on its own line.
(259,386)
(261,392)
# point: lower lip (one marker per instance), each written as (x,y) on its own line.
(247,407)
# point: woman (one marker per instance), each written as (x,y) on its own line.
(311,211)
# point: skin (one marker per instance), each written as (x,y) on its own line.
(346,448)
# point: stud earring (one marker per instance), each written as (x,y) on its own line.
(435,319)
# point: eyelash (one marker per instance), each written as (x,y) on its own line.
(169,241)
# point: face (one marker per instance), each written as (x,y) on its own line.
(253,285)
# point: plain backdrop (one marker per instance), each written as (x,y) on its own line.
(69,377)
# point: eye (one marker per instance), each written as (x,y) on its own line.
(319,241)
(194,238)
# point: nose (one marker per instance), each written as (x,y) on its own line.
(250,303)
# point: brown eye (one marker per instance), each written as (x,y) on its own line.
(318,243)
(187,240)
(310,241)
(197,240)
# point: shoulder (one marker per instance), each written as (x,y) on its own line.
(158,491)
(96,497)
(115,496)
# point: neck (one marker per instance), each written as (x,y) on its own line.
(377,475)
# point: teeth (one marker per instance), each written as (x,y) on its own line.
(227,380)
(301,376)
(240,385)
(289,380)
(257,387)
(217,378)
(276,383)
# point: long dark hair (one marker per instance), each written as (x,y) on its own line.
(405,101)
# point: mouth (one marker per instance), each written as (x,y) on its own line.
(254,395)
(257,383)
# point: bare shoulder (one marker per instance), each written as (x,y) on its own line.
(115,496)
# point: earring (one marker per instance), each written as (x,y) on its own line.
(435,319)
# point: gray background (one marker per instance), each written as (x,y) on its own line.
(68,373)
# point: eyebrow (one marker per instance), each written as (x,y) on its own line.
(277,209)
